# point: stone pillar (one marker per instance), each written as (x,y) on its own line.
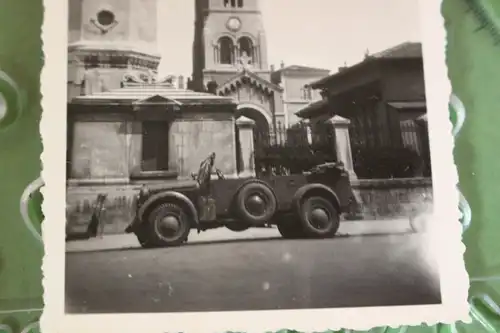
(246,154)
(180,82)
(309,135)
(343,143)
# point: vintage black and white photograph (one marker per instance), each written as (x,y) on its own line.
(246,155)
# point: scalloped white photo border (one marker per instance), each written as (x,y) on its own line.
(446,236)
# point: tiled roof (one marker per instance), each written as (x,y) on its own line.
(403,50)
(407,50)
(138,94)
(302,68)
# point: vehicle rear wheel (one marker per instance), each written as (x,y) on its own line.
(290,228)
(168,225)
(255,203)
(319,217)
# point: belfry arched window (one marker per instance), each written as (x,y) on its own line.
(232,3)
(246,48)
(226,50)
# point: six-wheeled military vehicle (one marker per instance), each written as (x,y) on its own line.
(305,205)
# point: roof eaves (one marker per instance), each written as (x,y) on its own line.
(321,82)
(312,109)
(150,101)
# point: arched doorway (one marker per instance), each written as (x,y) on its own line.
(261,133)
(262,128)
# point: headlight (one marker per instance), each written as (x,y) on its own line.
(143,192)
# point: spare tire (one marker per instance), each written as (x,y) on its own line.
(255,203)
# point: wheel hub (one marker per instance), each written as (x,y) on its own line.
(256,205)
(319,217)
(170,223)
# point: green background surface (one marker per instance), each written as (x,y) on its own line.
(474,63)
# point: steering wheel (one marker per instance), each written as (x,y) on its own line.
(219,174)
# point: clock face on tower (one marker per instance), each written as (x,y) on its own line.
(233,24)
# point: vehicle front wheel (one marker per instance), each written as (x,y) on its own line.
(142,236)
(290,228)
(168,225)
(319,217)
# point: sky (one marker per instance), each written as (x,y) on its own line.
(317,33)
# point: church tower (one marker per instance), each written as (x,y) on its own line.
(229,36)
(109,39)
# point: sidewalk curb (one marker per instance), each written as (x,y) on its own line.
(348,229)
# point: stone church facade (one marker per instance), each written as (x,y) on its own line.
(114,41)
(230,59)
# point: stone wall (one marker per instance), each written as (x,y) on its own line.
(393,198)
(100,150)
(119,207)
(192,140)
(110,146)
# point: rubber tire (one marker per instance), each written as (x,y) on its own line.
(142,236)
(290,228)
(246,216)
(308,229)
(238,227)
(155,239)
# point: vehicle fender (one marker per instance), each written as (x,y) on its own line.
(310,188)
(164,196)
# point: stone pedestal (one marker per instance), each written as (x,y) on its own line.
(344,154)
(309,134)
(246,163)
(343,143)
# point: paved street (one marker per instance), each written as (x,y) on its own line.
(264,273)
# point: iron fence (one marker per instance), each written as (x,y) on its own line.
(400,151)
(378,151)
(289,150)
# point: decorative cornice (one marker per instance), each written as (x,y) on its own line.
(114,59)
(146,49)
(263,84)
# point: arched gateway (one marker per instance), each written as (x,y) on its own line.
(263,121)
